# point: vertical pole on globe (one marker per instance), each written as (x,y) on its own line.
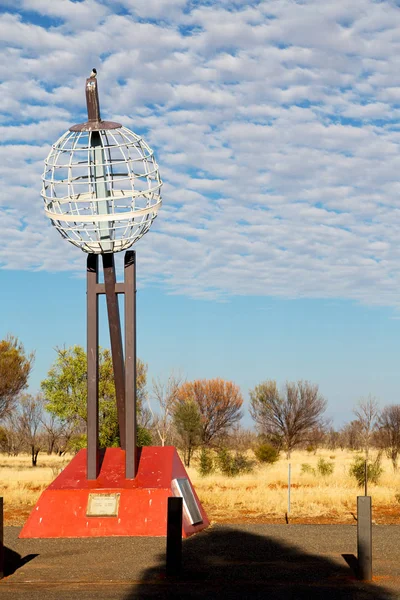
(116,340)
(92,100)
(92,367)
(130,365)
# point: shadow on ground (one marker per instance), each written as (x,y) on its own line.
(225,563)
(14,561)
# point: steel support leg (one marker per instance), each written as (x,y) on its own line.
(130,365)
(92,368)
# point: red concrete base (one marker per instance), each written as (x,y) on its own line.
(61,509)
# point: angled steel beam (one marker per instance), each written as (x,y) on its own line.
(116,340)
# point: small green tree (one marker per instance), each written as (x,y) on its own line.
(187,421)
(374,470)
(65,392)
(206,463)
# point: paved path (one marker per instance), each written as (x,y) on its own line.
(282,562)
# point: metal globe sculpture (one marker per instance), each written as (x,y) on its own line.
(101,184)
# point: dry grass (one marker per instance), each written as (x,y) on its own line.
(259,496)
(263,494)
(21,484)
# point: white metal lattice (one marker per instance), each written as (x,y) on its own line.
(101,189)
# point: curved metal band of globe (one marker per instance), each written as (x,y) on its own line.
(118,216)
(90,197)
(61,221)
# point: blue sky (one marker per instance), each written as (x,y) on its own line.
(275,125)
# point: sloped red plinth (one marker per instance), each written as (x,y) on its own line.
(61,509)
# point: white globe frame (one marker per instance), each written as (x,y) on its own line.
(130,182)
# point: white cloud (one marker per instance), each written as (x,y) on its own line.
(274,123)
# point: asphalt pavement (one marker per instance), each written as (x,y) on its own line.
(279,562)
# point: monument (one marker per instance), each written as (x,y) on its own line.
(102,191)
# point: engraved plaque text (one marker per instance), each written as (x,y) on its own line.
(103,505)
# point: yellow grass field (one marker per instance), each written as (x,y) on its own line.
(260,496)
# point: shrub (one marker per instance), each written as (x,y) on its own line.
(143,437)
(310,448)
(266,453)
(242,464)
(306,468)
(233,464)
(324,467)
(206,466)
(374,470)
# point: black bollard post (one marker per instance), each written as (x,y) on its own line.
(1,539)
(364,537)
(174,536)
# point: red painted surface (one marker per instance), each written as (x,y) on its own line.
(61,509)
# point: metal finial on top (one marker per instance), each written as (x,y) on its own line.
(94,122)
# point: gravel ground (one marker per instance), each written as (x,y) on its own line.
(282,562)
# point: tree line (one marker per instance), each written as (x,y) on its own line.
(191,415)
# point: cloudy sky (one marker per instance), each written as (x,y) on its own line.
(275,124)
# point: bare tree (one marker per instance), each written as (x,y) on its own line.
(219,403)
(350,435)
(15,367)
(288,416)
(12,442)
(316,437)
(166,396)
(333,439)
(30,423)
(389,432)
(239,439)
(367,412)
(54,430)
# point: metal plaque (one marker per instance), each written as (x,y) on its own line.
(181,487)
(103,505)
